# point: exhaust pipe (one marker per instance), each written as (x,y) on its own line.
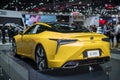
(71,64)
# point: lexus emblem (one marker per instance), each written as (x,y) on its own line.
(91,38)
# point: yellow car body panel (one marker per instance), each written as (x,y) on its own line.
(74,51)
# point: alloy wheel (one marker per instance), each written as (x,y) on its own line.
(41,60)
(14,48)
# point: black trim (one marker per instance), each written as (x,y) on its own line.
(106,39)
(94,61)
(91,61)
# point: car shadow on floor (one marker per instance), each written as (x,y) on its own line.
(73,71)
(64,72)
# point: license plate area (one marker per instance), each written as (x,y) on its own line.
(92,53)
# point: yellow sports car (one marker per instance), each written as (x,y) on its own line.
(58,45)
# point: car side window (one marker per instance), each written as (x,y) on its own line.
(41,28)
(36,29)
(31,30)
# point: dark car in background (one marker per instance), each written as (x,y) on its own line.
(15,27)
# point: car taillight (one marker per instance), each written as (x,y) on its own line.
(106,39)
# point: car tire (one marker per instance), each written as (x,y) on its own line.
(41,60)
(14,49)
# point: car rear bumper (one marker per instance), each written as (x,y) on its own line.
(88,62)
(76,63)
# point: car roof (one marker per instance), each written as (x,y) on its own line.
(46,24)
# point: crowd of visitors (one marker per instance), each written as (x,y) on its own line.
(111,30)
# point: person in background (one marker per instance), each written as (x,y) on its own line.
(0,35)
(93,28)
(3,29)
(33,19)
(112,34)
(109,31)
(106,29)
(10,33)
(117,33)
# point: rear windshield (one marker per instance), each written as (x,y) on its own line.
(68,28)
